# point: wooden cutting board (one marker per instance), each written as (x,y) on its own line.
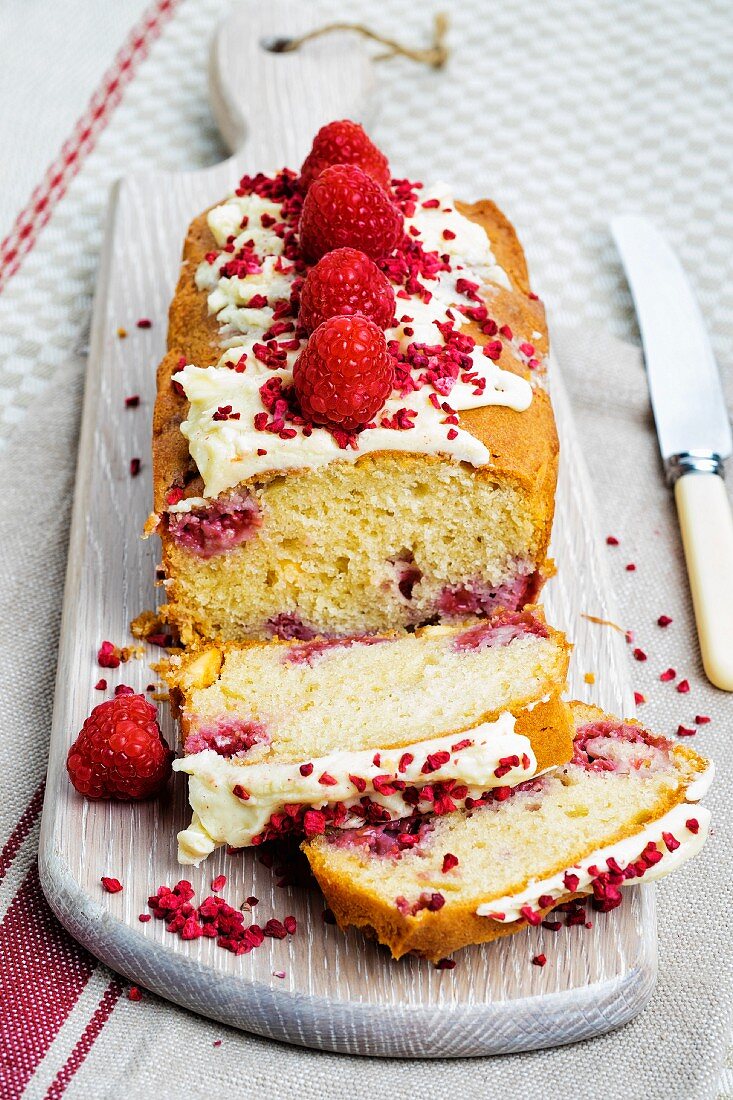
(340,992)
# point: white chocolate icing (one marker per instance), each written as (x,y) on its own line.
(226,450)
(220,817)
(624,851)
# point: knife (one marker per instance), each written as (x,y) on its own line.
(693,429)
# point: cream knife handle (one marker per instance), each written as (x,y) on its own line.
(706,523)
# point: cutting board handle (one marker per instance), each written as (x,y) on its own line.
(268,105)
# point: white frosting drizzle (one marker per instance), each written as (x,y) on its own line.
(624,851)
(220,817)
(226,450)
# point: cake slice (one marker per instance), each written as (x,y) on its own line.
(287,737)
(439,507)
(622,811)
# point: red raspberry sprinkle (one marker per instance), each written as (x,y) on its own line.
(144,918)
(345,373)
(405,760)
(359,783)
(664,620)
(683,687)
(692,825)
(445,964)
(434,761)
(539,960)
(344,142)
(670,842)
(306,769)
(291,925)
(108,656)
(111,885)
(493,349)
(144,322)
(133,401)
(639,655)
(275,929)
(101,685)
(529,915)
(702,719)
(120,752)
(611,540)
(345,282)
(631,568)
(448,235)
(344,207)
(134,467)
(668,675)
(174,495)
(314,822)
(134,993)
(449,862)
(124,689)
(219,883)
(639,698)
(683,731)
(327,780)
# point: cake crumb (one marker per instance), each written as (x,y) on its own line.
(590,678)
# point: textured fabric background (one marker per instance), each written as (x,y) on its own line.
(565,114)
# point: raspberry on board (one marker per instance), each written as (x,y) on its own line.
(344,142)
(120,752)
(345,208)
(344,374)
(345,282)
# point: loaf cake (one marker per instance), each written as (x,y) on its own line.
(283,738)
(434,500)
(621,811)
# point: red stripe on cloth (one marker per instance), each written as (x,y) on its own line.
(21,830)
(42,973)
(102,1013)
(76,148)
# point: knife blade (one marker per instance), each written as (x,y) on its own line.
(684,383)
(693,428)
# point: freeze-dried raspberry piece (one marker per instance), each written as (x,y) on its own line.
(345,208)
(120,752)
(344,142)
(346,282)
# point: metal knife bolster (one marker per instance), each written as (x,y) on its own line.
(693,462)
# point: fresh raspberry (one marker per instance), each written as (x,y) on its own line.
(344,142)
(346,208)
(345,282)
(344,374)
(120,752)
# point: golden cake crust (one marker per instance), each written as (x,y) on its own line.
(435,935)
(524,446)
